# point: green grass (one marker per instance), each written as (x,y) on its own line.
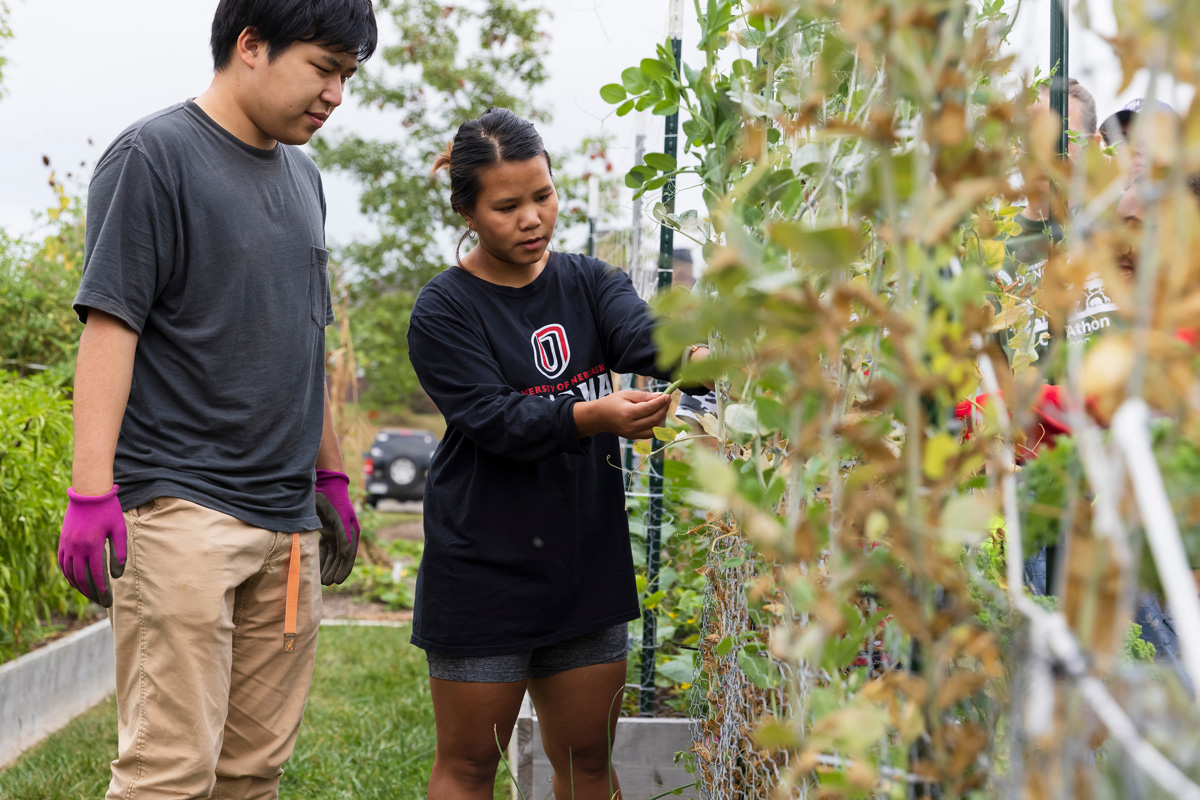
(368,732)
(72,763)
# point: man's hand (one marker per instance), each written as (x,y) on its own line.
(91,521)
(628,413)
(339,526)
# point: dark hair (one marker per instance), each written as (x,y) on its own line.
(1076,91)
(347,26)
(496,136)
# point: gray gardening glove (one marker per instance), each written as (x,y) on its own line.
(339,526)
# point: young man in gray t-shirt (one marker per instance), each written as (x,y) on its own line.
(205,458)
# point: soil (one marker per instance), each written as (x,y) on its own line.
(413,531)
(66,624)
(662,708)
(348,606)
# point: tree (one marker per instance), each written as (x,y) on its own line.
(37,285)
(434,81)
(5,33)
(443,66)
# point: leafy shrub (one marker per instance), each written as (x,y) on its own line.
(393,586)
(383,571)
(678,601)
(1048,480)
(38,282)
(35,471)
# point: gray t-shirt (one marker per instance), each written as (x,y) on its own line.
(214,252)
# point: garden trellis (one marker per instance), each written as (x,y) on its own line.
(857,162)
(654,510)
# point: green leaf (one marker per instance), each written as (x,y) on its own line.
(713,474)
(819,248)
(625,107)
(639,175)
(657,183)
(634,81)
(742,68)
(938,450)
(667,107)
(645,101)
(753,39)
(665,434)
(725,647)
(661,162)
(678,669)
(654,70)
(742,418)
(612,93)
(775,735)
(759,670)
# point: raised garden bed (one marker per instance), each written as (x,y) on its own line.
(58,626)
(44,690)
(644,755)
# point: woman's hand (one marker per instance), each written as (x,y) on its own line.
(699,352)
(628,413)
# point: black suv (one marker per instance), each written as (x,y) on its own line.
(397,464)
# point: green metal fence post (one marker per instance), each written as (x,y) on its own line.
(666,254)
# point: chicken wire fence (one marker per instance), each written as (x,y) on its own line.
(727,704)
(1147,747)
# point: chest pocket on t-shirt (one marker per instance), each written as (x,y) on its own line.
(318,287)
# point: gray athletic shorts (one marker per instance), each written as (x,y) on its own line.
(602,647)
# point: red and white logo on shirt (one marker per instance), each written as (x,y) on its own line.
(551,353)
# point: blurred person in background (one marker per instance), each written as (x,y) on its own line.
(1027,251)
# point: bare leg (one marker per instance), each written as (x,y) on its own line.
(469,718)
(577,713)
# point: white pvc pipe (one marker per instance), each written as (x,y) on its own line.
(1014,558)
(675,25)
(1132,432)
(1050,633)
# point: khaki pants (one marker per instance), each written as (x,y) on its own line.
(209,704)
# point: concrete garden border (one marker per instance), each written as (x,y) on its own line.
(42,691)
(644,756)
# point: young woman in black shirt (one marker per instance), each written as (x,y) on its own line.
(527,579)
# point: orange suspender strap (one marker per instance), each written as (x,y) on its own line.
(293,597)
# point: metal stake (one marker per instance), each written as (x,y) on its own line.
(666,254)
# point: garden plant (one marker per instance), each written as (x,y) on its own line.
(38,279)
(866,631)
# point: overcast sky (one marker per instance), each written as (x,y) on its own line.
(83,69)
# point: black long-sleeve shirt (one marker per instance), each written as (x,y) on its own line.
(526,536)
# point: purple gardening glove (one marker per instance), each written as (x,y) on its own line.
(339,526)
(91,521)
